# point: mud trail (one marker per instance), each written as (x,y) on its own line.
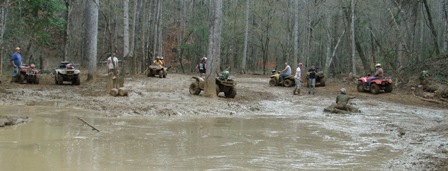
(416,128)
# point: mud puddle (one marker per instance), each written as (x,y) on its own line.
(56,139)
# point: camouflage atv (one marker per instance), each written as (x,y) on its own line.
(320,78)
(223,84)
(154,70)
(67,72)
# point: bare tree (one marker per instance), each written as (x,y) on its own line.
(353,37)
(125,28)
(91,36)
(214,46)
(246,35)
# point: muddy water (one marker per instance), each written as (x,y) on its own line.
(56,139)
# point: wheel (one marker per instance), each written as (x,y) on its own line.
(288,83)
(164,75)
(322,81)
(151,73)
(55,80)
(21,78)
(374,88)
(360,87)
(161,74)
(76,81)
(230,93)
(36,81)
(194,88)
(273,82)
(60,79)
(389,88)
(217,90)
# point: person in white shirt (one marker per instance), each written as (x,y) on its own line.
(298,78)
(111,66)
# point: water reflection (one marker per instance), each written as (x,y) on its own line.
(56,140)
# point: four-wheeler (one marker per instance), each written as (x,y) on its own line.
(376,85)
(154,70)
(29,74)
(320,78)
(288,81)
(223,84)
(67,72)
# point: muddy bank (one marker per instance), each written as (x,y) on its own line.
(12,120)
(415,128)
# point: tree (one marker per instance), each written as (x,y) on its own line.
(246,35)
(91,36)
(214,46)
(353,37)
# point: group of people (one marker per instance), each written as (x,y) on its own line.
(298,77)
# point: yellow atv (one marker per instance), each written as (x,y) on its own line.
(288,81)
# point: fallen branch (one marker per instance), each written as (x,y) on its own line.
(93,128)
(429,100)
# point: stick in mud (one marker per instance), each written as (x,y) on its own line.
(93,128)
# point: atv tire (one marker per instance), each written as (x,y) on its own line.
(360,87)
(161,74)
(374,88)
(288,83)
(76,81)
(194,88)
(60,79)
(389,88)
(273,82)
(322,81)
(36,81)
(21,78)
(230,93)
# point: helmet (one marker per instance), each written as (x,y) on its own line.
(32,66)
(157,57)
(161,58)
(378,65)
(204,58)
(343,90)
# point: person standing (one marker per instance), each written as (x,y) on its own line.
(311,79)
(298,78)
(16,61)
(202,66)
(112,66)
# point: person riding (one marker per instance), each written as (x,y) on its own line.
(311,79)
(159,61)
(342,101)
(285,72)
(378,74)
(202,66)
(16,61)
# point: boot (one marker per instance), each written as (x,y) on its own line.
(298,91)
(294,92)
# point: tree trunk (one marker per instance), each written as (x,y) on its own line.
(432,27)
(296,33)
(91,36)
(213,48)
(125,28)
(67,29)
(353,38)
(246,35)
(445,39)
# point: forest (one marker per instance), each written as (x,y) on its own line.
(256,36)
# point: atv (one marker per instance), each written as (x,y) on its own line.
(29,74)
(288,81)
(154,70)
(320,78)
(223,84)
(67,72)
(374,86)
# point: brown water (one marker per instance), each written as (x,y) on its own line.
(56,139)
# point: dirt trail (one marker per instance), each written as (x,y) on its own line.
(170,96)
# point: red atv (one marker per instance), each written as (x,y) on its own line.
(29,74)
(374,86)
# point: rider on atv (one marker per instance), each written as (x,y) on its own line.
(378,74)
(285,72)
